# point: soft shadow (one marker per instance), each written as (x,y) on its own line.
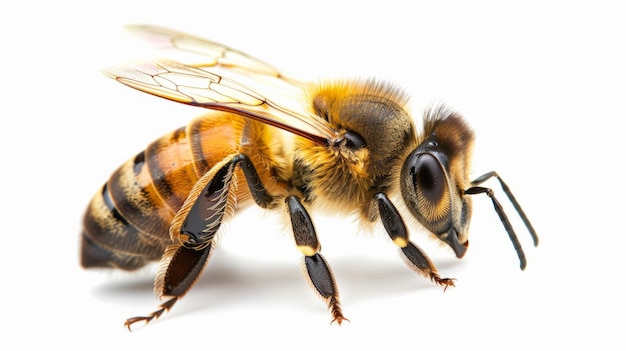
(232,281)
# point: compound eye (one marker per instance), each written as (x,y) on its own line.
(429,179)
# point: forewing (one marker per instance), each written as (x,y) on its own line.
(201,87)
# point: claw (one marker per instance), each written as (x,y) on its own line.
(445,282)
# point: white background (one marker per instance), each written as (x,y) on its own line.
(543,84)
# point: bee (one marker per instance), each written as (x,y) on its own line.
(347,146)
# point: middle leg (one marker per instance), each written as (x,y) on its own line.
(317,270)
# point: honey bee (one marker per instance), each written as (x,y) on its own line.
(348,146)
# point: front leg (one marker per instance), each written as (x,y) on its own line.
(317,270)
(415,258)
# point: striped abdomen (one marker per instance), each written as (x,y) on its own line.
(127,222)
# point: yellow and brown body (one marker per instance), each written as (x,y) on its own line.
(351,147)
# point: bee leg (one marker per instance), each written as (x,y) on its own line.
(259,193)
(184,268)
(192,231)
(415,258)
(317,270)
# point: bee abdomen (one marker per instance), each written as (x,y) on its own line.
(127,223)
(93,255)
(109,240)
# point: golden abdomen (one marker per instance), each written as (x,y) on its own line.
(126,225)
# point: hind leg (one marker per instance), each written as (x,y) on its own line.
(193,230)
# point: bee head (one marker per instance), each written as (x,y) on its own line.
(434,177)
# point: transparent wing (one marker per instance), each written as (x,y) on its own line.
(216,54)
(201,87)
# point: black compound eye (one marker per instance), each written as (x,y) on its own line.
(428,178)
